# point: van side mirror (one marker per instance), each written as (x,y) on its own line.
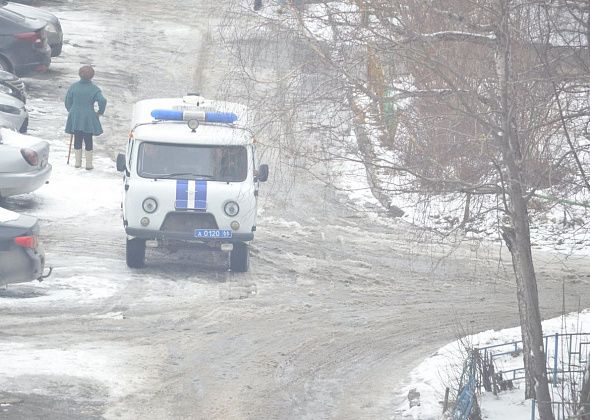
(262,173)
(121,165)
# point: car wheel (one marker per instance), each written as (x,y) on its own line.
(135,253)
(5,65)
(24,127)
(239,259)
(56,50)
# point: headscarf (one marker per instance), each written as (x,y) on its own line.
(86,72)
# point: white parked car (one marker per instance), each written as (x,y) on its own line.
(24,163)
(191,177)
(13,113)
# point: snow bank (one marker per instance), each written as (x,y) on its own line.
(443,368)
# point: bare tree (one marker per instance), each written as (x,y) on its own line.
(482,100)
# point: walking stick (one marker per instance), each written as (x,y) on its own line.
(70,149)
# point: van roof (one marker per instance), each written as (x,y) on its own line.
(179,132)
(142,109)
(145,127)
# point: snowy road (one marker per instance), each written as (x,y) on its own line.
(337,309)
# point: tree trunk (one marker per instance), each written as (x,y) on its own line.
(369,158)
(466,211)
(583,410)
(517,239)
(517,236)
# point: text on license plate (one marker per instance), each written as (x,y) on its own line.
(213,233)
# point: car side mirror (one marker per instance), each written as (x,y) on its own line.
(121,165)
(262,173)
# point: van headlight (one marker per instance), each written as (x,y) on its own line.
(231,208)
(150,205)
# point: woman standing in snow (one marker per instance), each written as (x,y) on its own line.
(83,121)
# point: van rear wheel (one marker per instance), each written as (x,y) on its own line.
(239,259)
(135,252)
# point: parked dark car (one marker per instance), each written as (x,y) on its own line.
(23,44)
(53,29)
(21,257)
(12,85)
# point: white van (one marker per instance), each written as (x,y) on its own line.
(190,177)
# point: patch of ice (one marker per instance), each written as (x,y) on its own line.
(109,365)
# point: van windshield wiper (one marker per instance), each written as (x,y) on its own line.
(181,174)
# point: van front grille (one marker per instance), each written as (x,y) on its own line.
(188,222)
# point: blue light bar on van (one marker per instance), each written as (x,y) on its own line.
(167,114)
(221,117)
(212,117)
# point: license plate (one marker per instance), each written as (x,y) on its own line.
(213,233)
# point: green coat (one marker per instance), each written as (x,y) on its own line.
(79,102)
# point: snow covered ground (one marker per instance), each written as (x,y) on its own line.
(338,307)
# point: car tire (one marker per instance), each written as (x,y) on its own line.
(135,252)
(5,65)
(23,129)
(56,50)
(239,259)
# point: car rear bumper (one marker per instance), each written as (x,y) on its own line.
(24,69)
(186,237)
(32,61)
(22,183)
(18,265)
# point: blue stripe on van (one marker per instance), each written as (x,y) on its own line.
(181,194)
(201,195)
(200,202)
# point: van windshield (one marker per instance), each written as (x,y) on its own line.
(177,161)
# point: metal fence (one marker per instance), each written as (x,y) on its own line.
(563,410)
(466,397)
(566,361)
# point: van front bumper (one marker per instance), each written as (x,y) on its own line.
(184,236)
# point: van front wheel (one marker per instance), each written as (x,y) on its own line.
(239,259)
(135,252)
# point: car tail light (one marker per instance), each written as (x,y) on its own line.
(32,37)
(26,241)
(30,156)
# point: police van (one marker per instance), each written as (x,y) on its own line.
(190,178)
